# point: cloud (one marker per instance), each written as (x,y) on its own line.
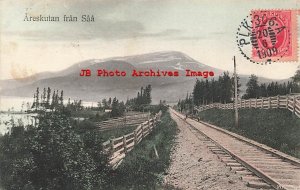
(106,29)
(210,35)
(167,32)
(114,19)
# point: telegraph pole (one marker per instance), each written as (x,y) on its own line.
(235,96)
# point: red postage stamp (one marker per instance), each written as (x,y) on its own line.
(274,35)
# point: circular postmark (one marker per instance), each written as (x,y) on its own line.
(264,36)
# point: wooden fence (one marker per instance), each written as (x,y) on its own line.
(290,102)
(117,148)
(127,120)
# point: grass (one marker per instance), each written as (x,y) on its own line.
(141,168)
(86,113)
(90,114)
(106,135)
(87,126)
(277,128)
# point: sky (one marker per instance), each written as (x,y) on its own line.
(204,30)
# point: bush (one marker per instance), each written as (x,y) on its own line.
(51,156)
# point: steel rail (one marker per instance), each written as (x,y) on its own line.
(265,177)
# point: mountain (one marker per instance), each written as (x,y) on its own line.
(94,88)
(164,60)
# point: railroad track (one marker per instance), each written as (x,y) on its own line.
(260,166)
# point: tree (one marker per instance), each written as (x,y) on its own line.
(142,96)
(51,156)
(142,100)
(53,100)
(37,98)
(33,104)
(104,103)
(296,77)
(99,105)
(296,81)
(61,98)
(226,89)
(138,99)
(263,90)
(56,99)
(109,102)
(197,93)
(214,90)
(44,97)
(116,109)
(252,90)
(221,90)
(147,95)
(114,106)
(48,97)
(69,102)
(79,106)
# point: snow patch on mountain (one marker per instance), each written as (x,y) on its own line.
(178,66)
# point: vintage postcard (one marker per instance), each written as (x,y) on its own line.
(148,94)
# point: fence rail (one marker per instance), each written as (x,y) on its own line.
(290,102)
(118,147)
(119,122)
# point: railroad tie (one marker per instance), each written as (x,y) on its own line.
(258,185)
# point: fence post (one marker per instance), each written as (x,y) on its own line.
(142,128)
(287,101)
(294,104)
(149,123)
(124,124)
(256,102)
(124,144)
(269,99)
(277,101)
(134,137)
(112,143)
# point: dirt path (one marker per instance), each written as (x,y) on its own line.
(194,166)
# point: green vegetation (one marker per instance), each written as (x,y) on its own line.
(64,153)
(222,90)
(206,92)
(117,107)
(142,169)
(86,127)
(41,102)
(296,77)
(277,128)
(255,90)
(90,114)
(51,156)
(215,90)
(141,101)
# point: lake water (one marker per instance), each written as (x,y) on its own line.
(10,104)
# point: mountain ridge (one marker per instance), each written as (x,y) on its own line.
(95,88)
